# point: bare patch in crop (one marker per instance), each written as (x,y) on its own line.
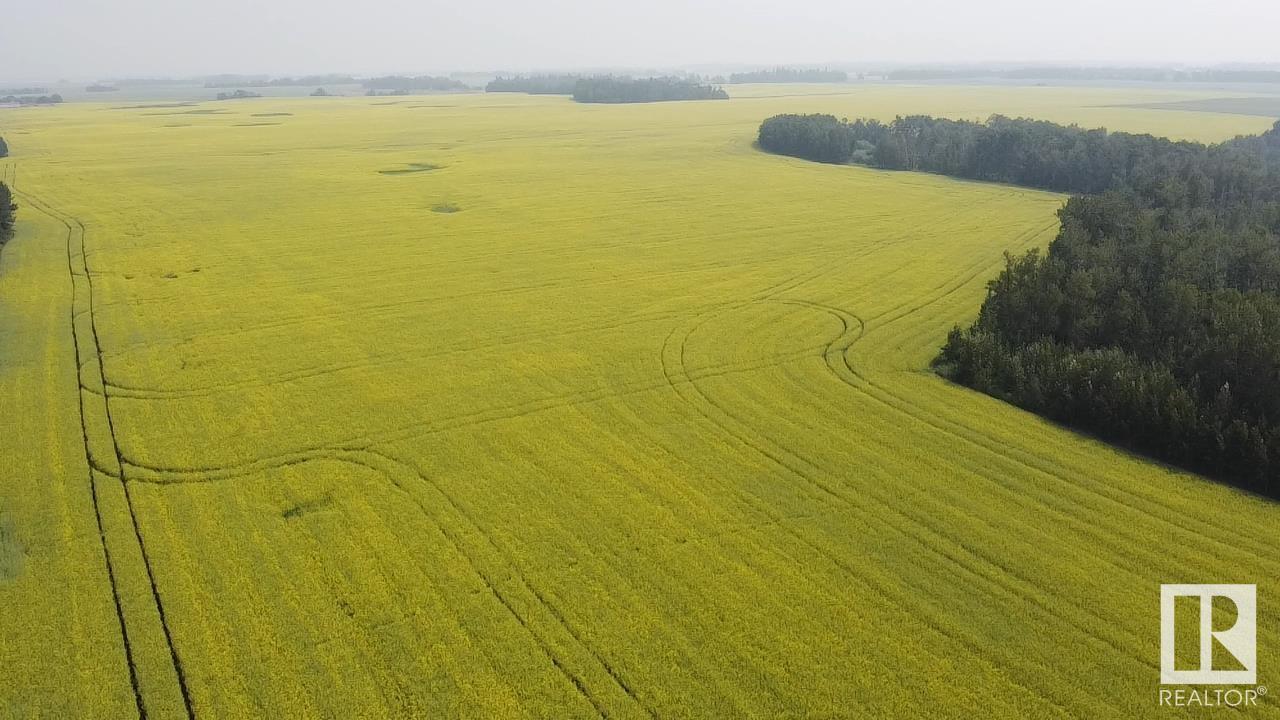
(308,506)
(198,111)
(1255,106)
(410,168)
(154,106)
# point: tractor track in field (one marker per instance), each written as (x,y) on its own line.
(678,359)
(135,392)
(949,288)
(972,645)
(769,517)
(781,522)
(390,309)
(1034,462)
(354,457)
(89,462)
(850,375)
(151,473)
(372,460)
(779,455)
(97,508)
(88,354)
(837,351)
(677,375)
(539,595)
(456,543)
(839,347)
(1042,464)
(139,393)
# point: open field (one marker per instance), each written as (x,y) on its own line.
(1263,106)
(477,406)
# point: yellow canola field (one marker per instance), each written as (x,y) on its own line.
(503,406)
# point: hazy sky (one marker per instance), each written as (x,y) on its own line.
(90,39)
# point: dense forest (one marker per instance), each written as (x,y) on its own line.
(535,84)
(790,75)
(823,138)
(1153,320)
(631,90)
(421,82)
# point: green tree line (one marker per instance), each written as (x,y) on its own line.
(421,82)
(790,75)
(535,84)
(8,213)
(8,210)
(238,95)
(633,90)
(1153,319)
(230,81)
(53,99)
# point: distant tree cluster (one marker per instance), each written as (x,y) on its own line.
(232,81)
(53,99)
(1086,74)
(238,95)
(1154,318)
(8,211)
(535,84)
(25,91)
(1031,153)
(632,90)
(4,148)
(822,138)
(790,75)
(408,84)
(101,87)
(384,83)
(145,81)
(320,92)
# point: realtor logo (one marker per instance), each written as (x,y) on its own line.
(1239,639)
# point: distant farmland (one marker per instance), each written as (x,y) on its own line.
(1262,106)
(503,406)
